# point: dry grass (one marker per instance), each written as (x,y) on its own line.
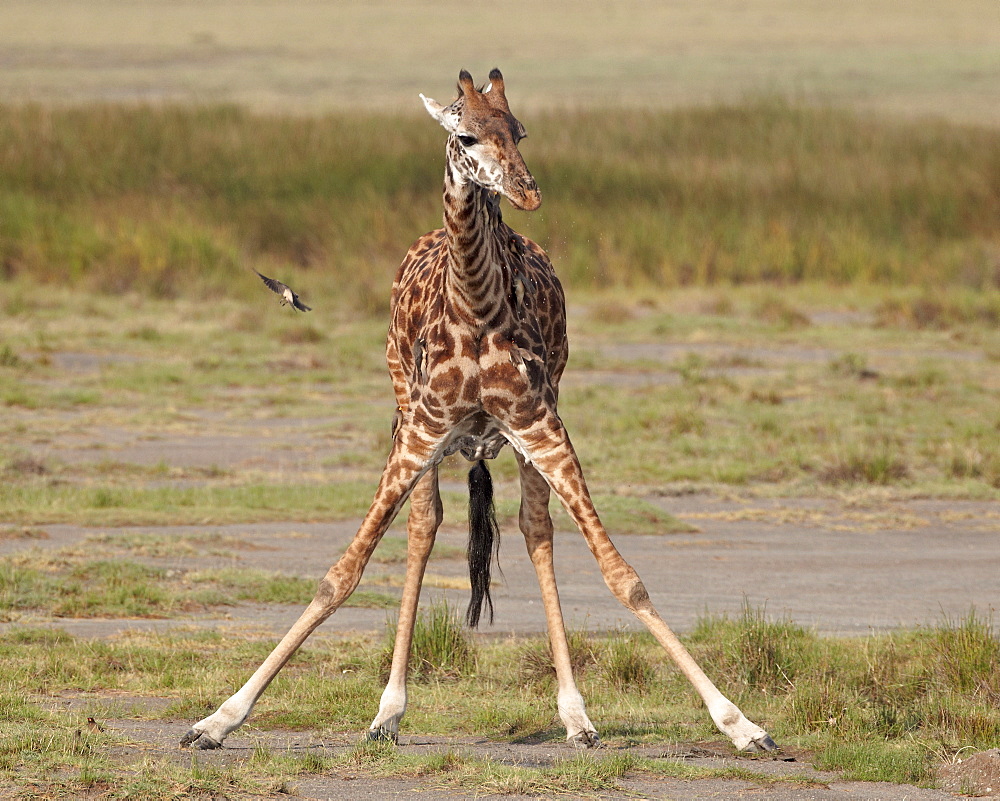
(175,202)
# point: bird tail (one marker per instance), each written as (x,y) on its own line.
(484,541)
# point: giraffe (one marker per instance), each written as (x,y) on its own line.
(475,349)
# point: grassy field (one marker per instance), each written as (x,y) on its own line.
(178,201)
(888,708)
(109,419)
(868,394)
(773,292)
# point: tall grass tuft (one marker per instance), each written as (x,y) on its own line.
(535,661)
(880,464)
(753,652)
(624,665)
(442,647)
(967,654)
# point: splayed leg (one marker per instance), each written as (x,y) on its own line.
(547,446)
(425,518)
(411,455)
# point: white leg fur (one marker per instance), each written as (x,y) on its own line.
(391,709)
(579,730)
(745,734)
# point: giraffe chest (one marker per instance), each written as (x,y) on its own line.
(473,387)
(462,369)
(475,369)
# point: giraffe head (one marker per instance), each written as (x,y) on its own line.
(482,147)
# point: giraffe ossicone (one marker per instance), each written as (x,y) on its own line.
(475,349)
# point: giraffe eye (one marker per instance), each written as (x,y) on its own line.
(466,140)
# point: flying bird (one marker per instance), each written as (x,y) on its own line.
(288,297)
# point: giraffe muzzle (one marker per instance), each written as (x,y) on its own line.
(525,195)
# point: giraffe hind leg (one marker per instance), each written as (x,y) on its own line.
(536,525)
(546,444)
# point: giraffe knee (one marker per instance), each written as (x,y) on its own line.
(331,593)
(637,598)
(326,592)
(631,592)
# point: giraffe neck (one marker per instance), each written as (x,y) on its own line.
(477,279)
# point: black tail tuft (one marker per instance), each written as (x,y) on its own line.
(484,541)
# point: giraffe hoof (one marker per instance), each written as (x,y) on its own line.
(585,739)
(197,739)
(761,745)
(381,735)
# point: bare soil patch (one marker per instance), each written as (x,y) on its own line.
(977,775)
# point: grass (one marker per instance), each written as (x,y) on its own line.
(120,588)
(874,709)
(148,217)
(903,689)
(535,660)
(169,201)
(157,505)
(692,398)
(442,647)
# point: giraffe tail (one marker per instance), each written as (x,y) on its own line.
(484,541)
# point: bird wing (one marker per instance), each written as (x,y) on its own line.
(298,304)
(275,286)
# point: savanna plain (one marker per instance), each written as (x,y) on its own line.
(784,329)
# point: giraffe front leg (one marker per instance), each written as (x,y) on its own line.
(426,514)
(547,446)
(407,462)
(536,525)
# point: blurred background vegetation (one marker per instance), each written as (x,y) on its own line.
(165,149)
(172,200)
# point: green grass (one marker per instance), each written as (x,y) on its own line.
(657,243)
(171,201)
(882,708)
(923,692)
(132,505)
(442,647)
(119,588)
(697,391)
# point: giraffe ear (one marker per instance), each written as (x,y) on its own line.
(448,116)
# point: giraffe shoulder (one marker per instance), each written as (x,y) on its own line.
(422,259)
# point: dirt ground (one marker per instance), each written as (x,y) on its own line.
(840,570)
(843,570)
(810,784)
